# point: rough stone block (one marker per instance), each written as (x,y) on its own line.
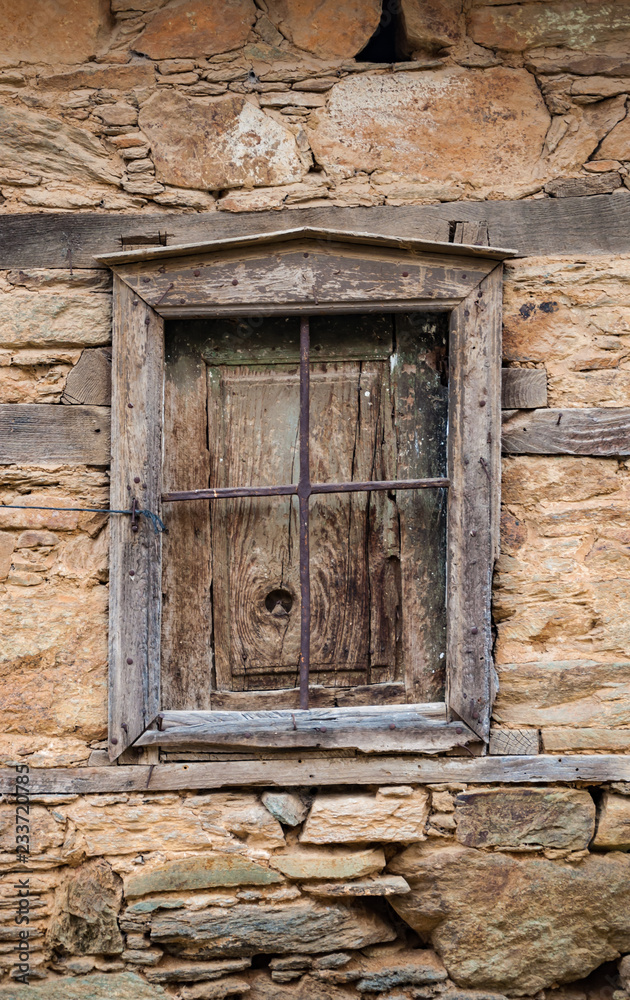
(339,819)
(429,25)
(624,972)
(54,149)
(386,885)
(203,872)
(576,24)
(517,817)
(613,824)
(224,144)
(286,807)
(489,126)
(404,968)
(193,28)
(244,930)
(7,544)
(216,991)
(86,911)
(55,31)
(587,740)
(53,662)
(100,986)
(327,29)
(196,822)
(616,145)
(542,922)
(326,864)
(46,833)
(173,970)
(43,318)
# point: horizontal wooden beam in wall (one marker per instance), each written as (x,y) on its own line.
(598,224)
(272,772)
(32,433)
(523,388)
(594,431)
(36,433)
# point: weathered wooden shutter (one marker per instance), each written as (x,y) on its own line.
(231,576)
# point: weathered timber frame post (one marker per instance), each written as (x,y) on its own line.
(298,272)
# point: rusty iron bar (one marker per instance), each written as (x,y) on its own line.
(304,492)
(228,492)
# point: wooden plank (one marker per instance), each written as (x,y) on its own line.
(90,381)
(47,436)
(474,500)
(591,225)
(523,388)
(270,772)
(35,433)
(135,576)
(187,656)
(474,232)
(514,742)
(594,431)
(389,693)
(288,277)
(376,729)
(420,387)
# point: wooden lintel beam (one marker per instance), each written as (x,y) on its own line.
(36,433)
(597,224)
(270,772)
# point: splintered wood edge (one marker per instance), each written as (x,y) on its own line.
(331,770)
(305,232)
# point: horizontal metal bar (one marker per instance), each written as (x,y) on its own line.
(383,484)
(225,493)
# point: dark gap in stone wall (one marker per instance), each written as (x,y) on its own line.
(387,44)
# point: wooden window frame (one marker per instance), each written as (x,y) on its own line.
(266,274)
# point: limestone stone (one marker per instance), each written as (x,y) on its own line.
(45,832)
(580,187)
(616,145)
(55,149)
(92,77)
(98,986)
(515,817)
(404,968)
(216,991)
(325,28)
(431,24)
(55,31)
(244,930)
(33,318)
(200,872)
(590,740)
(328,864)
(624,972)
(142,956)
(576,24)
(308,988)
(386,885)
(86,911)
(516,924)
(173,970)
(192,28)
(133,824)
(476,131)
(613,824)
(336,818)
(7,544)
(222,144)
(286,807)
(53,660)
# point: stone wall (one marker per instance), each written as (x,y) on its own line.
(400,893)
(395,893)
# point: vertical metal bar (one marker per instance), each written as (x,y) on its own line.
(304,492)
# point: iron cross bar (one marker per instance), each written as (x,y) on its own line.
(304,489)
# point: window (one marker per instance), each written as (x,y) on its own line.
(210,394)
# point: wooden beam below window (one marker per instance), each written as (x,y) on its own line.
(269,772)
